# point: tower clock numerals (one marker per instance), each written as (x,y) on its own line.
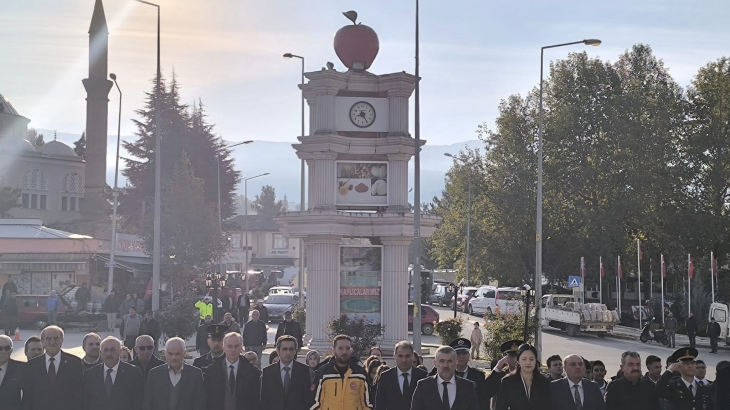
(362,114)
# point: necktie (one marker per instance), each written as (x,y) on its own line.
(232,380)
(445,396)
(405,384)
(691,390)
(108,382)
(578,402)
(52,370)
(287,379)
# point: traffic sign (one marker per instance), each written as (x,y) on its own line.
(574,282)
(110,265)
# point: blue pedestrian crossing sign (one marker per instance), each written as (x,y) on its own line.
(574,282)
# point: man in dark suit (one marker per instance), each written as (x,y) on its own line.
(11,376)
(228,301)
(175,385)
(285,385)
(144,358)
(53,380)
(630,391)
(113,385)
(396,385)
(691,326)
(679,386)
(574,392)
(231,382)
(215,344)
(444,390)
(290,327)
(714,331)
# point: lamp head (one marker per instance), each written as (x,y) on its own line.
(288,55)
(592,42)
(265,174)
(448,155)
(113,76)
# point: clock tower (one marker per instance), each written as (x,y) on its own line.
(357,226)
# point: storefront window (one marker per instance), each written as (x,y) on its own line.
(280,242)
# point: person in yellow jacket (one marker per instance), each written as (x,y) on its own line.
(205,308)
(341,384)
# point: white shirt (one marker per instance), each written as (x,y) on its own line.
(693,384)
(228,368)
(56,361)
(451,387)
(410,379)
(704,381)
(115,370)
(580,390)
(283,373)
(3,371)
(175,377)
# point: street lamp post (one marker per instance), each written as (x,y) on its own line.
(245,229)
(115,191)
(468,215)
(527,293)
(158,177)
(302,208)
(455,289)
(218,173)
(538,233)
(417,192)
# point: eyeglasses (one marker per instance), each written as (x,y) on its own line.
(6,348)
(145,347)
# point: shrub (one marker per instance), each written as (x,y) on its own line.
(364,333)
(299,315)
(449,330)
(180,318)
(501,328)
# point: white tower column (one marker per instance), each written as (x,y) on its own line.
(325,100)
(324,185)
(394,291)
(398,112)
(323,288)
(310,183)
(398,183)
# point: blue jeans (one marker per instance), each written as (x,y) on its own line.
(52,316)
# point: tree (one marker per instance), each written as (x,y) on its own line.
(9,199)
(34,137)
(266,203)
(80,146)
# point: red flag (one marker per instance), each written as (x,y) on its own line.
(691,269)
(602,271)
(664,268)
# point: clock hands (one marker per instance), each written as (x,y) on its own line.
(362,114)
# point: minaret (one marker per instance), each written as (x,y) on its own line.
(97,110)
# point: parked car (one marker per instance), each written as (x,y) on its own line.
(441,295)
(279,290)
(462,298)
(487,299)
(428,318)
(277,304)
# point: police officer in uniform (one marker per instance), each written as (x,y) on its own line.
(215,343)
(500,368)
(679,386)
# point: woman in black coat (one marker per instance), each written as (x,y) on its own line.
(525,388)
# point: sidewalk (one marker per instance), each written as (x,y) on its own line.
(624,332)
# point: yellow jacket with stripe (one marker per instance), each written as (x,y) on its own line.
(336,392)
(204,308)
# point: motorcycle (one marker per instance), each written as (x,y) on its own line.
(657,335)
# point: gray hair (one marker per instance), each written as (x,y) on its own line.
(5,337)
(110,339)
(52,327)
(232,334)
(256,355)
(445,350)
(144,337)
(175,341)
(629,353)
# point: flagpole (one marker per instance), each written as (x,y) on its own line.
(600,280)
(663,269)
(689,285)
(712,274)
(582,280)
(638,266)
(619,285)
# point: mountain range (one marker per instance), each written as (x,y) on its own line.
(280,160)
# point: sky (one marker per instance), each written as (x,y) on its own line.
(228,53)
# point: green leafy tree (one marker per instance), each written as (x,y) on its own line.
(9,199)
(80,146)
(266,202)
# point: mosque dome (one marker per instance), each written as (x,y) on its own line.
(16,145)
(56,147)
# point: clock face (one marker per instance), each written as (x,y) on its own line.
(362,114)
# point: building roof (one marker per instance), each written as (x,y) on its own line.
(16,144)
(6,107)
(257,222)
(33,229)
(56,147)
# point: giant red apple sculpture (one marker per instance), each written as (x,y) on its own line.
(356,45)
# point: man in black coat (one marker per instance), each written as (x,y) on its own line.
(201,336)
(53,380)
(244,305)
(679,386)
(113,385)
(714,331)
(291,328)
(215,343)
(445,390)
(231,382)
(691,326)
(573,387)
(255,335)
(395,391)
(151,327)
(175,385)
(630,391)
(12,373)
(145,358)
(286,385)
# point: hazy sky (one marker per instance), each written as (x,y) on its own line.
(228,53)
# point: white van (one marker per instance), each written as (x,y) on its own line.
(488,298)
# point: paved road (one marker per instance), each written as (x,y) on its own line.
(607,350)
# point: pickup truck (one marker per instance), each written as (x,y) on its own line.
(555,313)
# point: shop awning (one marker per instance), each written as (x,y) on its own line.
(278,262)
(130,263)
(43,261)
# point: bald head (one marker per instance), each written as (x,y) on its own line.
(574,368)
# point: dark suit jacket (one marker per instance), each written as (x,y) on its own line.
(389,396)
(157,389)
(672,388)
(426,396)
(512,394)
(154,362)
(63,394)
(248,384)
(300,396)
(564,396)
(12,385)
(621,394)
(479,379)
(126,393)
